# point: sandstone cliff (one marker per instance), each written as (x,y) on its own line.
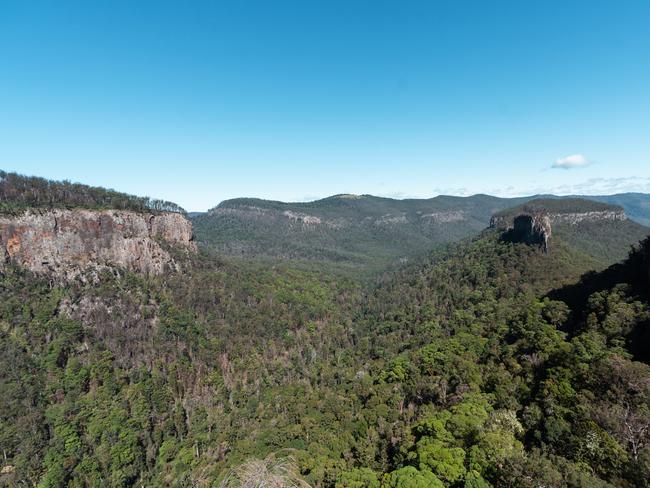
(532,229)
(66,243)
(506,220)
(534,226)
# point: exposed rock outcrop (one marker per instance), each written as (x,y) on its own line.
(390,219)
(535,226)
(531,229)
(66,243)
(505,221)
(302,218)
(289,218)
(574,218)
(444,217)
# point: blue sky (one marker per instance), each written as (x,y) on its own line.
(197,102)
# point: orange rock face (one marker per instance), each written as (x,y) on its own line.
(67,242)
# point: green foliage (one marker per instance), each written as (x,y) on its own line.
(447,463)
(358,478)
(365,234)
(475,480)
(410,477)
(476,367)
(19,193)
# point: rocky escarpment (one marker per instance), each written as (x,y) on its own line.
(444,217)
(534,226)
(506,220)
(532,229)
(275,216)
(66,243)
(526,227)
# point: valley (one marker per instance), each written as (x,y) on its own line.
(498,354)
(365,234)
(341,244)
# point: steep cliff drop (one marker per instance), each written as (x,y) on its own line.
(532,229)
(66,243)
(532,222)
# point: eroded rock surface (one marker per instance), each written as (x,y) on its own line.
(532,229)
(67,242)
(535,227)
(573,218)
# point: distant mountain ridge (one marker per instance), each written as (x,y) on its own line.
(361,233)
(569,211)
(367,231)
(636,205)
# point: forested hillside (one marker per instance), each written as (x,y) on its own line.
(601,231)
(357,232)
(364,234)
(637,205)
(457,371)
(488,363)
(440,308)
(18,193)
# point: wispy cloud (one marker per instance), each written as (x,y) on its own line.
(457,191)
(600,186)
(592,186)
(572,161)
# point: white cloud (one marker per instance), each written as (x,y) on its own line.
(572,161)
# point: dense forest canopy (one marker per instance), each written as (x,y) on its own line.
(364,234)
(18,192)
(487,363)
(456,372)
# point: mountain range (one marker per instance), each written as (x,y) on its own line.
(364,232)
(510,350)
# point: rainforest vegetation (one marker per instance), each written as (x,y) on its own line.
(488,363)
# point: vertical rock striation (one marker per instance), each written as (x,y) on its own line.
(532,224)
(532,229)
(65,243)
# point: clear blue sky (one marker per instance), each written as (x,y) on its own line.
(197,102)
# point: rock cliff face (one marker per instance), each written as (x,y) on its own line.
(66,243)
(573,218)
(444,217)
(535,226)
(532,229)
(273,216)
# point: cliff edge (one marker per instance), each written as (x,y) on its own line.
(532,222)
(65,243)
